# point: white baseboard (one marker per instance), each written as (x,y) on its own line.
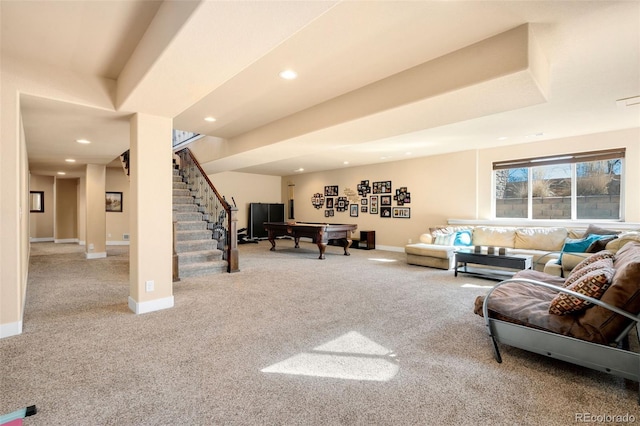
(10,329)
(390,248)
(96,255)
(65,240)
(118,243)
(150,306)
(41,240)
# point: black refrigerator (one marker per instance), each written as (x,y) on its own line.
(260,213)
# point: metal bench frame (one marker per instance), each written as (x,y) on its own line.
(617,360)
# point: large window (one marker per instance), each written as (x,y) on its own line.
(577,186)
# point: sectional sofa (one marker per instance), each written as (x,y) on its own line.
(555,250)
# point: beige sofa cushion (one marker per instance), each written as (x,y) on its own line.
(622,239)
(430,250)
(499,236)
(546,239)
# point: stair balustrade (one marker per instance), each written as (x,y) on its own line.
(221,216)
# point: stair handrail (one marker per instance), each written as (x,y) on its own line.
(231,212)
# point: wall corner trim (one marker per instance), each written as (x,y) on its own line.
(150,306)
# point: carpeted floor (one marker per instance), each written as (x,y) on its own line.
(289,340)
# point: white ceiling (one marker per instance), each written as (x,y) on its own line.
(378,80)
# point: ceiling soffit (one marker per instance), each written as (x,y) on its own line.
(465,84)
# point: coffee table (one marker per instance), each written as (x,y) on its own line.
(507,262)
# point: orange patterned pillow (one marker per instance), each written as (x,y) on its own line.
(604,254)
(576,274)
(592,284)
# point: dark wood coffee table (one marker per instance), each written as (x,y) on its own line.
(515,262)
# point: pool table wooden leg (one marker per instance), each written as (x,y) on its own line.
(347,244)
(322,247)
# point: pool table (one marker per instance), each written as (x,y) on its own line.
(320,233)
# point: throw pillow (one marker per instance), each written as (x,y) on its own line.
(579,245)
(604,254)
(462,238)
(601,243)
(579,273)
(592,284)
(593,229)
(445,239)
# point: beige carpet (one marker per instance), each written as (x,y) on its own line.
(289,340)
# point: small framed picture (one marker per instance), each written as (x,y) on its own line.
(401,212)
(113,202)
(364,209)
(385,200)
(374,204)
(385,211)
(353,210)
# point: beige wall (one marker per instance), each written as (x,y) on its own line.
(451,186)
(118,223)
(440,186)
(95,212)
(247,188)
(41,224)
(66,210)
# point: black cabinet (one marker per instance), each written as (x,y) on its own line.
(260,213)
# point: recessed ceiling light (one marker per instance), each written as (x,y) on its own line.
(61,173)
(299,170)
(70,160)
(84,141)
(209,119)
(288,74)
(345,162)
(503,138)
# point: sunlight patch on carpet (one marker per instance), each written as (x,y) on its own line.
(381,259)
(476,286)
(350,356)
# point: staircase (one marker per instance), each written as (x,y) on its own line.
(196,250)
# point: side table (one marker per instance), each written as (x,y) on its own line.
(367,240)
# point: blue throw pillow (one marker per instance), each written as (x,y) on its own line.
(578,245)
(463,238)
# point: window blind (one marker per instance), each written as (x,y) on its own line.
(580,157)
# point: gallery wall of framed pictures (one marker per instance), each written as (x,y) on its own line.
(375,198)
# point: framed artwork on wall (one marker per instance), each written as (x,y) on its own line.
(374,204)
(385,200)
(113,202)
(317,200)
(402,196)
(385,211)
(353,210)
(329,203)
(383,187)
(331,191)
(341,204)
(401,212)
